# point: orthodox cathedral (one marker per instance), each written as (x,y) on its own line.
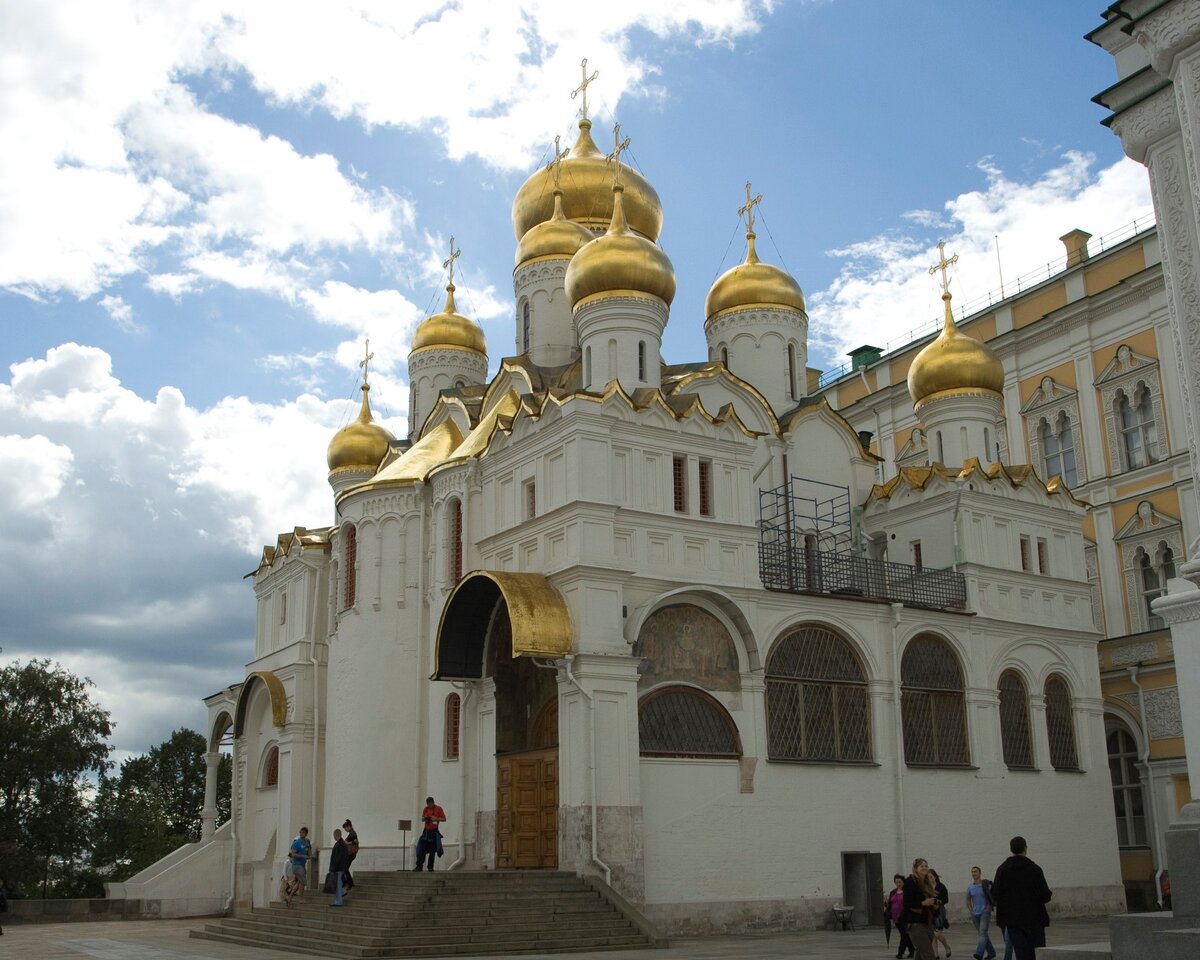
(674,626)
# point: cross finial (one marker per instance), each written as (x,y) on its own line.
(748,209)
(368,356)
(559,155)
(582,88)
(449,261)
(619,147)
(943,265)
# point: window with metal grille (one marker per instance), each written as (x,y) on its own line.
(793,392)
(1015,735)
(450,744)
(817,704)
(349,576)
(530,499)
(455,545)
(679,480)
(917,559)
(680,721)
(706,499)
(1060,725)
(641,359)
(1043,552)
(1128,801)
(1026,562)
(271,769)
(933,704)
(525,328)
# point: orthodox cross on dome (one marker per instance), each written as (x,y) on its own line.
(619,147)
(559,156)
(582,88)
(748,209)
(449,261)
(943,265)
(368,356)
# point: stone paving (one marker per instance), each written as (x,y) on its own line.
(168,940)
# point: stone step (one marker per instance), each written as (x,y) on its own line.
(1079,951)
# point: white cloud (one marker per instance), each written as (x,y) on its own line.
(32,470)
(121,312)
(884,294)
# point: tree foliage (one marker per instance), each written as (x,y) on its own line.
(153,805)
(52,736)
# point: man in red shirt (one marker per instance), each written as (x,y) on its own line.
(430,843)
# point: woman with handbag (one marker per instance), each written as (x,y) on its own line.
(940,920)
(920,907)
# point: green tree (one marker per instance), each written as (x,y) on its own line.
(52,736)
(153,805)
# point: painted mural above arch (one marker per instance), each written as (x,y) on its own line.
(685,643)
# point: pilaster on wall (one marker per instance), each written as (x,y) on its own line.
(600,797)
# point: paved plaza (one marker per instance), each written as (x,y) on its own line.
(168,940)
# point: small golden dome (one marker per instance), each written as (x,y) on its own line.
(360,445)
(449,330)
(753,284)
(620,261)
(586,176)
(954,361)
(557,237)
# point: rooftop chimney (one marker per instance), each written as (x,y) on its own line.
(1076,244)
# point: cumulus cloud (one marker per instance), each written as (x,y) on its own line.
(884,294)
(126,524)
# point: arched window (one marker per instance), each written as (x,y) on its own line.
(455,544)
(941,449)
(450,744)
(792,391)
(587,367)
(525,327)
(817,705)
(1155,571)
(725,356)
(270,776)
(933,704)
(349,578)
(1128,802)
(1060,724)
(1015,735)
(1058,450)
(680,721)
(641,359)
(1139,432)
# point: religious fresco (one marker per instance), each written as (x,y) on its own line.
(685,643)
(524,693)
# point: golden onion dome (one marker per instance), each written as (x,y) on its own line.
(449,330)
(586,175)
(620,261)
(954,361)
(360,445)
(557,237)
(753,284)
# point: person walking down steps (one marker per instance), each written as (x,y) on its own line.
(430,843)
(339,863)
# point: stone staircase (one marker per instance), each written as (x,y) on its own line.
(409,914)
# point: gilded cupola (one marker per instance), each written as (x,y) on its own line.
(360,445)
(586,177)
(953,361)
(620,262)
(449,330)
(753,284)
(557,238)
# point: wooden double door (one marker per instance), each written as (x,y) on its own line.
(527,809)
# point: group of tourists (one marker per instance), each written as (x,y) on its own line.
(916,907)
(338,880)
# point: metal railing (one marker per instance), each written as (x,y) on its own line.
(794,568)
(1013,288)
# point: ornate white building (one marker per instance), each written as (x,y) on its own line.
(667,624)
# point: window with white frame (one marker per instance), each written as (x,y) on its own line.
(1051,416)
(1131,394)
(1151,546)
(1058,449)
(1128,800)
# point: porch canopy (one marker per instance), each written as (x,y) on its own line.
(536,611)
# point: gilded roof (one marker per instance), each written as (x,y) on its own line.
(1016,475)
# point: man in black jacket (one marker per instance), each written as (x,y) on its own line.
(1020,893)
(339,863)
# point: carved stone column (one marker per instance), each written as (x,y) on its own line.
(208,816)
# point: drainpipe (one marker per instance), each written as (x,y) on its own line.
(591,703)
(898,725)
(954,521)
(1151,825)
(468,689)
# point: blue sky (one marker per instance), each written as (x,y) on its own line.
(205,209)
